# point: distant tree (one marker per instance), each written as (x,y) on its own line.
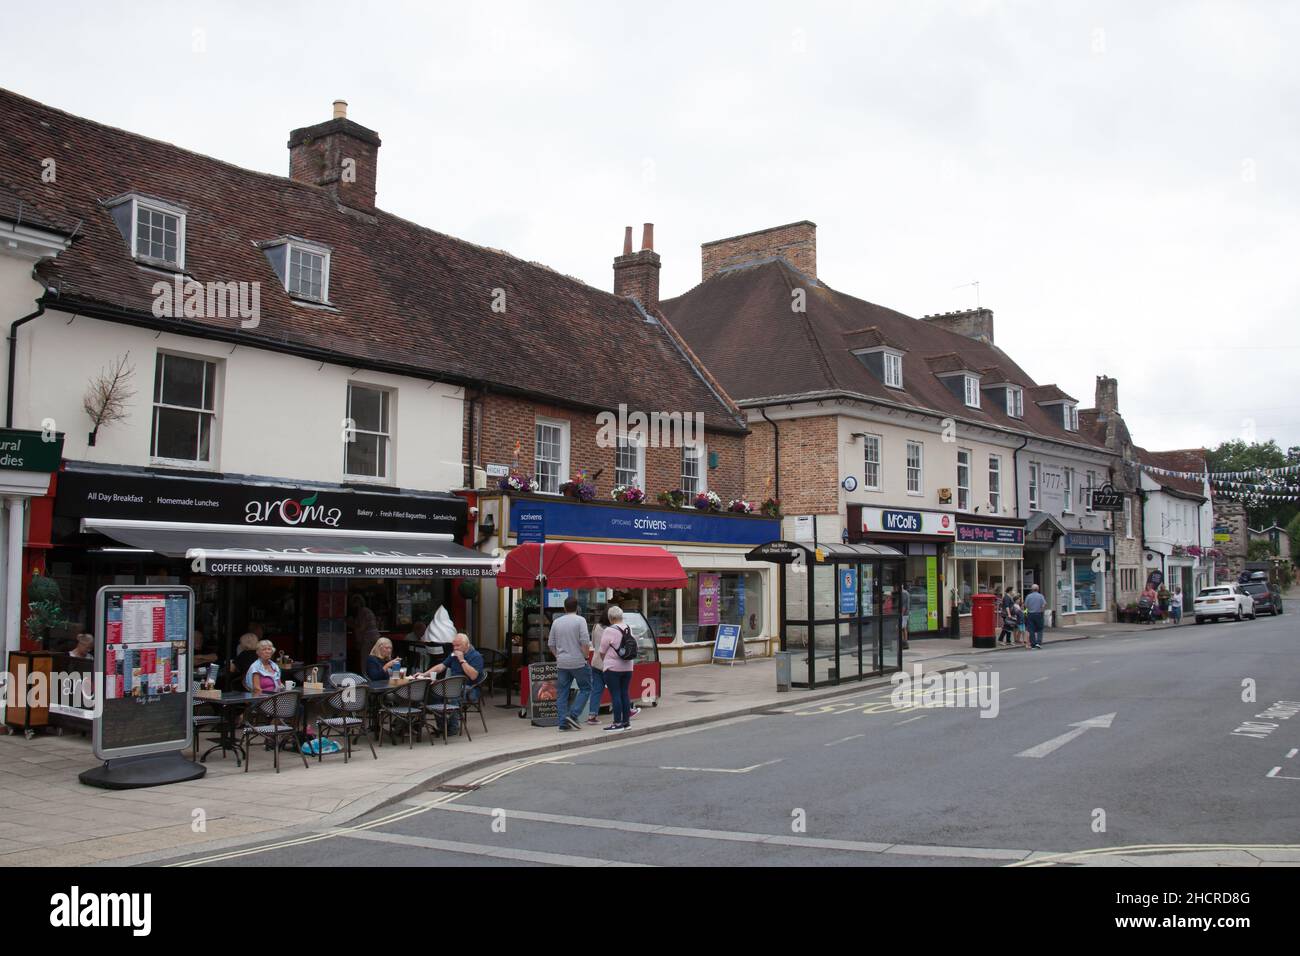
(1259,550)
(1240,456)
(1293,532)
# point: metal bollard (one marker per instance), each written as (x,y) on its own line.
(783,670)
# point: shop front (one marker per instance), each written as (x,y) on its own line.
(1083,579)
(308,568)
(1042,533)
(842,609)
(721,586)
(988,558)
(925,540)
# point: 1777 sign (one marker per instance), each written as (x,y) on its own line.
(1106,498)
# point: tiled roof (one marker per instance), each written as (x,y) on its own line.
(741,325)
(1049,393)
(1184,460)
(404,297)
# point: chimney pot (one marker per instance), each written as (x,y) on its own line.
(648,237)
(340,109)
(627,241)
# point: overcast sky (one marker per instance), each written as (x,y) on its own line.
(1122,179)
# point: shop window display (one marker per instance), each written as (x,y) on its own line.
(740,601)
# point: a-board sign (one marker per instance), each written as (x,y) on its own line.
(542,694)
(728,647)
(142,670)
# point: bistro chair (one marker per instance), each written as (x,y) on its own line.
(402,706)
(342,678)
(274,718)
(343,713)
(494,669)
(447,697)
(202,723)
(474,701)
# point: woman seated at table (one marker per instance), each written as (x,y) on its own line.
(381,665)
(264,674)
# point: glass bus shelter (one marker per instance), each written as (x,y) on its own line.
(841,609)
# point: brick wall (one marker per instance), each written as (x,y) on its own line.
(317,154)
(1233,515)
(809,464)
(508,422)
(796,242)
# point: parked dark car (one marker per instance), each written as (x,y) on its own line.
(1267,596)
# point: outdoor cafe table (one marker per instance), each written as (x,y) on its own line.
(232,702)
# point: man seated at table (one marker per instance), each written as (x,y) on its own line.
(465,662)
(203,652)
(264,674)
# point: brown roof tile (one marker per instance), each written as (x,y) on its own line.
(741,325)
(1185,460)
(405,297)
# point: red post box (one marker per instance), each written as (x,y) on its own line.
(984,620)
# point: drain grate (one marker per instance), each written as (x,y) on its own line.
(457,787)
(696,693)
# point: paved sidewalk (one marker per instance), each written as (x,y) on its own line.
(47,817)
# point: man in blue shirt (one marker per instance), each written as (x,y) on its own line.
(1034,605)
(465,662)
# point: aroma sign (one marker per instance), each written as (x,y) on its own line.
(291,512)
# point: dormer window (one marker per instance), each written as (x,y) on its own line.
(893,369)
(1015,402)
(972,383)
(154,229)
(1070,416)
(303,267)
(884,363)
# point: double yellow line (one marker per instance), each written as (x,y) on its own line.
(1139,849)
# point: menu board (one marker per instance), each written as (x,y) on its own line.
(542,694)
(143,660)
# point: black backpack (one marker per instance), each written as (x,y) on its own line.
(627,648)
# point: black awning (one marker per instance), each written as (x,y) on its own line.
(301,552)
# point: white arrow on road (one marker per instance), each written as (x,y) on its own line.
(1082,727)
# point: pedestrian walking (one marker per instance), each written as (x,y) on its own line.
(597,668)
(1163,597)
(1008,614)
(618,648)
(570,642)
(1022,631)
(1176,605)
(1035,604)
(905,605)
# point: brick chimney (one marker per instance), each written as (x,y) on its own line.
(1107,396)
(340,155)
(794,242)
(636,274)
(972,323)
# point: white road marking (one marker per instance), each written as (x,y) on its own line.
(1038,679)
(735,836)
(1293,752)
(766,763)
(1082,727)
(477,849)
(1277,775)
(843,739)
(910,719)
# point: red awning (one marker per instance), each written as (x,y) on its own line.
(573,564)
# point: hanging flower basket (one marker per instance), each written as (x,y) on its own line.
(579,486)
(673,499)
(517,481)
(771,507)
(708,501)
(630,494)
(740,506)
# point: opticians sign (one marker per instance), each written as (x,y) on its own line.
(895,521)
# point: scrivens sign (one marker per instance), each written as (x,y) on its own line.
(591,520)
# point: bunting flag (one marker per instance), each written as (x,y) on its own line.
(1280,471)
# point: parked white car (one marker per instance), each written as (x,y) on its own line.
(1223,600)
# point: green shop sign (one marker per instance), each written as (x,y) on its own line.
(24,450)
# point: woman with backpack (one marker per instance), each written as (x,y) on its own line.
(615,642)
